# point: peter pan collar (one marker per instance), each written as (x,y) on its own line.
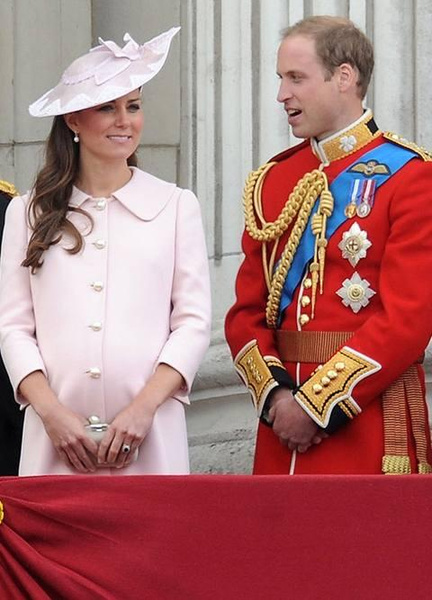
(348,140)
(143,195)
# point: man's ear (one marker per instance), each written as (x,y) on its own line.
(348,77)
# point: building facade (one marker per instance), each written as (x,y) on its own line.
(211,116)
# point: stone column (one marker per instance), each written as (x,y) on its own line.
(38,38)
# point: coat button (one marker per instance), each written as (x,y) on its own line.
(99,244)
(94,372)
(96,326)
(97,286)
(100,204)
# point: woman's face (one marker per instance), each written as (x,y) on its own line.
(110,131)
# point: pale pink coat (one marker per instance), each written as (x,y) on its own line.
(137,295)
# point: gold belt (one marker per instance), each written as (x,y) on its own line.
(405,395)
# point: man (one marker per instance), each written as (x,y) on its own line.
(11,418)
(333,309)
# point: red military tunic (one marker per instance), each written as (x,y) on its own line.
(387,333)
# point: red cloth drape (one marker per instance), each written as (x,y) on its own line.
(216,537)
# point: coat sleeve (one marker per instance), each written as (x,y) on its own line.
(17,323)
(190,320)
(397,334)
(252,342)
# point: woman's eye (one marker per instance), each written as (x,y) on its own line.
(105,108)
(134,107)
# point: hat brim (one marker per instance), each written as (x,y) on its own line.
(127,76)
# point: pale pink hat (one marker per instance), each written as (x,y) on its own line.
(105,73)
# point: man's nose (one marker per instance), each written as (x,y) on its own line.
(284,92)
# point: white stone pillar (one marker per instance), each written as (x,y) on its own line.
(42,37)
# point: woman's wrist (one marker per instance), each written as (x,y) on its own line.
(148,402)
(34,388)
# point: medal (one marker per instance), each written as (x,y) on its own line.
(351,207)
(367,198)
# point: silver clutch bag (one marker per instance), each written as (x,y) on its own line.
(95,429)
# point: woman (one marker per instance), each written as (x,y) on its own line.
(104,300)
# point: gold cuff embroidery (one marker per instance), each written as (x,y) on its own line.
(323,390)
(272,361)
(253,369)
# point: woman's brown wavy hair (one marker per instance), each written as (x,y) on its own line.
(49,205)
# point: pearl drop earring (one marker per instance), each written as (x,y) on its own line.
(76,138)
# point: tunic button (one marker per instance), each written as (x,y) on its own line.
(305,301)
(96,326)
(100,204)
(94,372)
(340,366)
(97,286)
(307,283)
(317,388)
(304,319)
(99,244)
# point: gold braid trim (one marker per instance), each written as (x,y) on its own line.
(425,154)
(298,207)
(252,203)
(8,188)
(1,512)
(419,421)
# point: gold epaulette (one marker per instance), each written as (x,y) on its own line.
(8,188)
(426,155)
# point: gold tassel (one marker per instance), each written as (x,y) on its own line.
(424,468)
(396,465)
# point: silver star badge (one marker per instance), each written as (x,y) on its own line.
(355,292)
(354,244)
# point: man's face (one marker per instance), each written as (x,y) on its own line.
(311,99)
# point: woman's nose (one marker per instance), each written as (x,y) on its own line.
(122,117)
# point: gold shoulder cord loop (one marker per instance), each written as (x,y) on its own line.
(9,188)
(297,208)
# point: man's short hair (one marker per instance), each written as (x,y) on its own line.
(338,41)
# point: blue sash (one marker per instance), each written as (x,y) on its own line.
(394,157)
